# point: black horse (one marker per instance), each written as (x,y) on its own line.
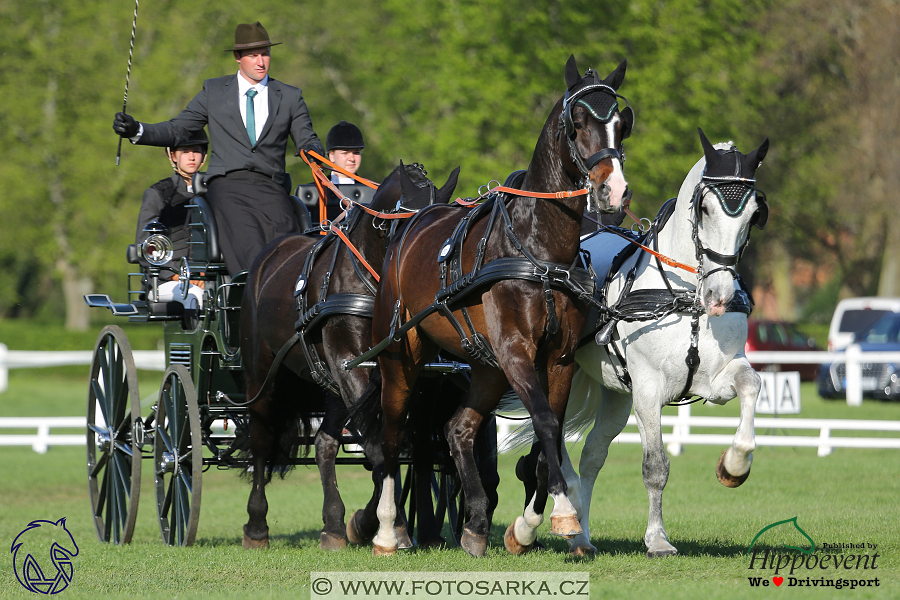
(499,288)
(328,283)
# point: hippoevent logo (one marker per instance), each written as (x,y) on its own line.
(838,565)
(42,556)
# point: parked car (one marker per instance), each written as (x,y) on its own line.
(852,315)
(879,380)
(780,336)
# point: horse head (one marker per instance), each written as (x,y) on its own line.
(725,205)
(594,129)
(408,187)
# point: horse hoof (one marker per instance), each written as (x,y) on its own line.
(662,553)
(583,550)
(476,545)
(726,478)
(382,550)
(256,541)
(329,541)
(565,527)
(251,544)
(403,540)
(354,532)
(512,544)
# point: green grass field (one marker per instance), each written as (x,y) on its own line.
(851,496)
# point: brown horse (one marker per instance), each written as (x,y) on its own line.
(334,293)
(516,253)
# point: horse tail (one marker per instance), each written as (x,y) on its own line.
(581,411)
(365,414)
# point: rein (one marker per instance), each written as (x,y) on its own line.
(321,178)
(662,257)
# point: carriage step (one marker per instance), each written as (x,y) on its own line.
(104,301)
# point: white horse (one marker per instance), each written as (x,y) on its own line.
(649,337)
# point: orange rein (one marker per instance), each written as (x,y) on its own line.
(663,258)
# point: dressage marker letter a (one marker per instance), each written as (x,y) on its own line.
(779,393)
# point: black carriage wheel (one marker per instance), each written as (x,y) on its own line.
(113,423)
(178,458)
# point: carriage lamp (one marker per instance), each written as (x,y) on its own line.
(157,249)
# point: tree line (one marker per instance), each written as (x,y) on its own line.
(468,83)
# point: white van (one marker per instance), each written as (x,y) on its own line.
(855,314)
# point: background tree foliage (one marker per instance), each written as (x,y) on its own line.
(469,83)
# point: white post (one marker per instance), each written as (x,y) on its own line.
(681,431)
(4,370)
(854,375)
(42,439)
(824,447)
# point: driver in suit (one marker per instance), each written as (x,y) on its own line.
(249,116)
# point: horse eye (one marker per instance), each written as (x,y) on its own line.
(704,209)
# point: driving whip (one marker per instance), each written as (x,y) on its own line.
(128,73)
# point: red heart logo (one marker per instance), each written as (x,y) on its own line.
(778,580)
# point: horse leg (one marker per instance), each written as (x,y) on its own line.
(486,458)
(531,470)
(461,430)
(612,416)
(424,457)
(333,535)
(655,470)
(256,531)
(733,468)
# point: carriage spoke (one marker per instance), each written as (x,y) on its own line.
(101,400)
(101,497)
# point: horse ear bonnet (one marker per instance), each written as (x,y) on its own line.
(740,169)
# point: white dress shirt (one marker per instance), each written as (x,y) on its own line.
(260,102)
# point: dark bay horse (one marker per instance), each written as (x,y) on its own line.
(302,272)
(519,328)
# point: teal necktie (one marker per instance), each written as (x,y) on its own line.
(251,117)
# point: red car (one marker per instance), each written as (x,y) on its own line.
(780,336)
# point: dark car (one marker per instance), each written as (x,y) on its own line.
(775,336)
(879,380)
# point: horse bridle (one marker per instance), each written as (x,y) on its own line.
(567,125)
(728,188)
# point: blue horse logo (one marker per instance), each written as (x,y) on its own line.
(30,549)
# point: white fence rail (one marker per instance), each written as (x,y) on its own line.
(43,439)
(854,358)
(680,435)
(151,360)
(683,426)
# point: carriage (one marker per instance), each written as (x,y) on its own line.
(533,306)
(199,419)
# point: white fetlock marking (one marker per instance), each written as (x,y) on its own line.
(387,513)
(527,524)
(525,534)
(737,464)
(562,507)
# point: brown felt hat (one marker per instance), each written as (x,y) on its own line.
(248,36)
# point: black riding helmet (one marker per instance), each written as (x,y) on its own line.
(344,136)
(191,138)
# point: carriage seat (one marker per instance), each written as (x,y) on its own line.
(308,195)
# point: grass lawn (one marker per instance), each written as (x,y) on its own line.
(850,496)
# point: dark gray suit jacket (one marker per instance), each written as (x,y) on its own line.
(216,106)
